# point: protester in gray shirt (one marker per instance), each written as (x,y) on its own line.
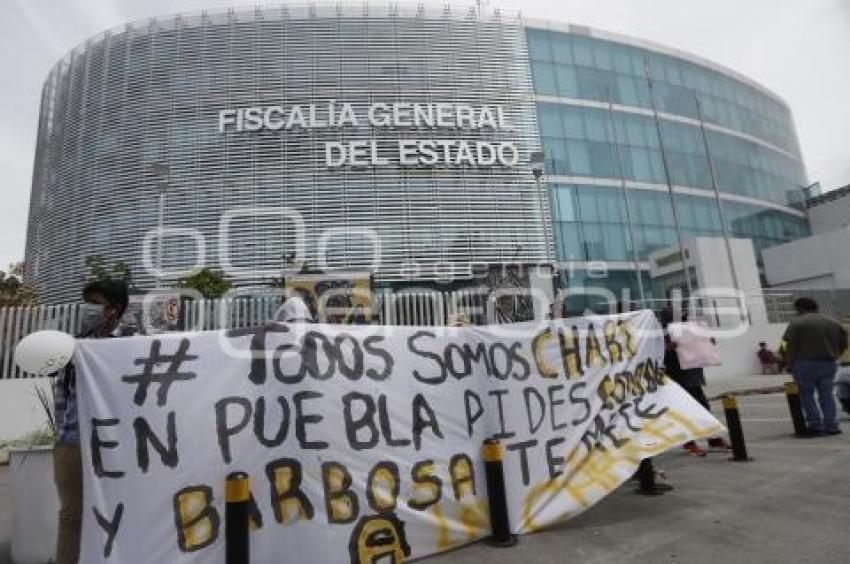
(813,343)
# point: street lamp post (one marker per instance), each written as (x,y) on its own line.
(537,168)
(160,171)
(537,164)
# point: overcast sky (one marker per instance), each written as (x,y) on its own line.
(800,49)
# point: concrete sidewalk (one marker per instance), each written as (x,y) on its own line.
(790,505)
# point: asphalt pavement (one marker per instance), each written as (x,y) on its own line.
(790,504)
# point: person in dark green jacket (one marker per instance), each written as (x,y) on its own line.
(814,343)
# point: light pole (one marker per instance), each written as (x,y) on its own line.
(538,161)
(537,164)
(161,172)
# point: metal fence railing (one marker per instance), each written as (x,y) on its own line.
(405,307)
(780,303)
(18,322)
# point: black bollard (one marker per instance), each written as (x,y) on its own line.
(792,394)
(646,480)
(497,499)
(237,497)
(736,432)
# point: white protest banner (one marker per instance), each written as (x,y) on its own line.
(364,442)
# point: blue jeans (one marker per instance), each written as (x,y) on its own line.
(819,375)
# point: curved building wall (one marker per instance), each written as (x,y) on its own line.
(598,128)
(153,92)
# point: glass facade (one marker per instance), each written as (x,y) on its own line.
(598,129)
(583,67)
(590,222)
(582,142)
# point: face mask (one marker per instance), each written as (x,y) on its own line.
(92,316)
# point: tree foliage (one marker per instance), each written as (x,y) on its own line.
(211,283)
(13,291)
(98,270)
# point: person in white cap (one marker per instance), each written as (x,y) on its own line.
(293,310)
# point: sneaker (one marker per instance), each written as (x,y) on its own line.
(719,444)
(694,449)
(832,432)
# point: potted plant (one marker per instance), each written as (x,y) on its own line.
(33,499)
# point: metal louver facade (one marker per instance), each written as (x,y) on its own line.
(151,92)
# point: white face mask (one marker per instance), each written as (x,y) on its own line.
(92,316)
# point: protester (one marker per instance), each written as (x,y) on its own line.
(814,343)
(768,358)
(105,303)
(692,380)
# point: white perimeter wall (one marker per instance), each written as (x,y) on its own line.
(20,410)
(817,262)
(739,353)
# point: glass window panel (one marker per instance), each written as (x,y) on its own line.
(588,205)
(544,78)
(622,62)
(643,91)
(539,47)
(583,51)
(569,242)
(627,91)
(657,166)
(570,247)
(602,55)
(596,125)
(549,149)
(641,165)
(638,63)
(573,126)
(616,241)
(601,159)
(687,213)
(649,131)
(672,73)
(634,132)
(579,158)
(562,48)
(556,155)
(594,241)
(550,121)
(678,164)
(591,84)
(567,83)
(565,210)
